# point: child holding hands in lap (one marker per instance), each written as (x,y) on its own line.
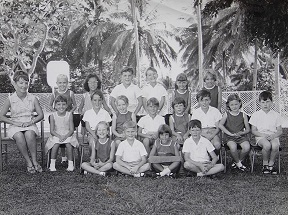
(61,130)
(197,152)
(23,128)
(165,146)
(119,118)
(235,126)
(102,154)
(131,154)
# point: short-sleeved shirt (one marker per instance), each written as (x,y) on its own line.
(208,119)
(266,122)
(198,152)
(132,92)
(158,91)
(131,153)
(93,118)
(148,124)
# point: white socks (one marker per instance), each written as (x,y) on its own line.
(70,166)
(165,171)
(52,165)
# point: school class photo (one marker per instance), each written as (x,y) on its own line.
(128,124)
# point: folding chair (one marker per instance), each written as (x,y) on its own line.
(257,150)
(49,155)
(5,141)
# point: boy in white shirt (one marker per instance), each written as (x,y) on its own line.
(149,124)
(131,154)
(197,152)
(154,89)
(266,126)
(128,89)
(209,117)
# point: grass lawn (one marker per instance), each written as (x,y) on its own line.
(63,192)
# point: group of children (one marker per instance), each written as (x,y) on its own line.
(137,143)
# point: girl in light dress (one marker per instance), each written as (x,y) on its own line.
(23,129)
(62,132)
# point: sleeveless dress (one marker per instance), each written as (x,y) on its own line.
(181,123)
(121,119)
(67,94)
(103,150)
(185,96)
(214,95)
(62,128)
(21,111)
(165,150)
(235,124)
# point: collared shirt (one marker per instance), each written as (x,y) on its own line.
(132,92)
(208,119)
(266,122)
(198,152)
(131,153)
(93,118)
(149,124)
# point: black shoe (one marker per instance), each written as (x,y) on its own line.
(273,170)
(265,169)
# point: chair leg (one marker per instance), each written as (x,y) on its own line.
(252,159)
(279,163)
(225,161)
(48,159)
(81,157)
(1,157)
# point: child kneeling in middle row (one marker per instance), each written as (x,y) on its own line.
(103,150)
(197,152)
(131,154)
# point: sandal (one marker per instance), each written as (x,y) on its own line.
(31,169)
(38,168)
(242,168)
(273,170)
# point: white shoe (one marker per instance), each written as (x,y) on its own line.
(52,169)
(70,169)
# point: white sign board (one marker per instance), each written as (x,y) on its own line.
(55,68)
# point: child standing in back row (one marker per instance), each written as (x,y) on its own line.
(128,89)
(266,126)
(155,90)
(61,130)
(235,126)
(215,91)
(182,91)
(62,85)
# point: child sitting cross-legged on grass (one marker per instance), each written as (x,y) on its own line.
(131,154)
(102,154)
(165,148)
(197,152)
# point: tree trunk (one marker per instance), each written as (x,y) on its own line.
(200,46)
(137,51)
(255,68)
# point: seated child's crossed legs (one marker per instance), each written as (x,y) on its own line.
(129,165)
(174,166)
(193,168)
(97,168)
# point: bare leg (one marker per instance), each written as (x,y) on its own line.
(215,169)
(122,169)
(274,151)
(54,150)
(145,167)
(191,167)
(69,151)
(106,167)
(89,168)
(174,165)
(266,148)
(216,143)
(245,149)
(146,143)
(22,146)
(233,150)
(158,167)
(32,145)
